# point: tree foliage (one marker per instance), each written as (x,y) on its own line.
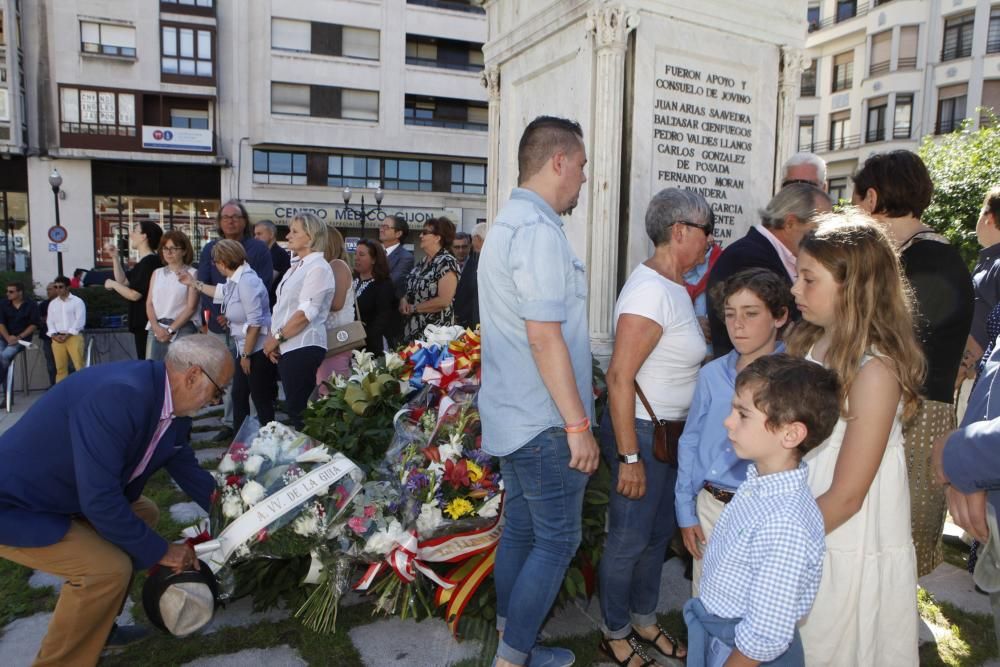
(963,165)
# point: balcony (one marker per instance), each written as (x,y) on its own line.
(946,125)
(877,69)
(957,51)
(901,132)
(808,89)
(452,5)
(874,135)
(840,143)
(845,13)
(993,44)
(430,62)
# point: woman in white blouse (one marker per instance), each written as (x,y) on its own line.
(171,306)
(298,339)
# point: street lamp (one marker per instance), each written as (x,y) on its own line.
(362,214)
(55,180)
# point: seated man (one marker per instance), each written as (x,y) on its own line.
(73,505)
(18,322)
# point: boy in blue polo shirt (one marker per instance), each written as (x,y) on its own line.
(765,558)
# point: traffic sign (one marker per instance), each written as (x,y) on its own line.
(57,234)
(57,247)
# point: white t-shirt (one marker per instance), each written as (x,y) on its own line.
(670,372)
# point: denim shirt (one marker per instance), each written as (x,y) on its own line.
(527,271)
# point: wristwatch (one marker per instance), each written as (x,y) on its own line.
(243,355)
(279,336)
(170,330)
(629,458)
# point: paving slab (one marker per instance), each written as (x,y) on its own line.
(213,454)
(41,579)
(241,614)
(20,640)
(276,656)
(955,585)
(187,513)
(426,643)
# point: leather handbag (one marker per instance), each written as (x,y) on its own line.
(346,337)
(666,433)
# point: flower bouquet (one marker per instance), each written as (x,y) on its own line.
(279,493)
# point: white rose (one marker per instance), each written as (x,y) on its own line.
(265,446)
(252,465)
(314,455)
(232,507)
(383,541)
(307,524)
(227,464)
(490,507)
(430,518)
(252,493)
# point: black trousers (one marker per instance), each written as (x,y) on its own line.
(259,386)
(298,376)
(140,343)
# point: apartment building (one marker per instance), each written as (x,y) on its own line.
(163,109)
(885,74)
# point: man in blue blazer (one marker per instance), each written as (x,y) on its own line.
(391,233)
(71,486)
(773,244)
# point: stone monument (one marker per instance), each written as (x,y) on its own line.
(670,93)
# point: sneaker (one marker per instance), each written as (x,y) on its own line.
(123,636)
(550,656)
(226,434)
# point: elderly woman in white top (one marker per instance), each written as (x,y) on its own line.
(298,341)
(171,305)
(243,301)
(659,347)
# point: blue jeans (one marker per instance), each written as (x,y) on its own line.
(638,534)
(711,638)
(7,354)
(543,507)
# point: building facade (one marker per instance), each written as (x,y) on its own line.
(885,74)
(163,110)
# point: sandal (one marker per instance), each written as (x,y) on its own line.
(674,644)
(633,643)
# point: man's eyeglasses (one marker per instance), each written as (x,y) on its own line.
(705,228)
(218,390)
(230,218)
(792,181)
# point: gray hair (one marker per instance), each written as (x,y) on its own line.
(798,199)
(464,236)
(202,350)
(673,205)
(804,158)
(315,228)
(480,230)
(270,226)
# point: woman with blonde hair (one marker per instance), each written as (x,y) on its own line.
(171,305)
(857,320)
(298,324)
(342,307)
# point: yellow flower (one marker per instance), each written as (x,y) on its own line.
(475,472)
(458,508)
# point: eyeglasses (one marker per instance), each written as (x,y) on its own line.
(427,231)
(705,228)
(218,390)
(170,248)
(792,181)
(230,218)
(386,226)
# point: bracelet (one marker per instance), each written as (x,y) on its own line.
(578,427)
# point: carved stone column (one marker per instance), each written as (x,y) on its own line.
(609,26)
(793,62)
(491,81)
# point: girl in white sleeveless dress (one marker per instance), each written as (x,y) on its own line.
(857,320)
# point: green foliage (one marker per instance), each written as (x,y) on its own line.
(363,438)
(22,276)
(963,165)
(17,599)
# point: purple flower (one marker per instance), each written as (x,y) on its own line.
(479,456)
(416,480)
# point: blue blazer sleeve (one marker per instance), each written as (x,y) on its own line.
(183,467)
(970,457)
(259,258)
(100,434)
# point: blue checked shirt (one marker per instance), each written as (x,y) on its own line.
(765,560)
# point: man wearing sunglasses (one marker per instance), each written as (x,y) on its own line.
(73,504)
(18,323)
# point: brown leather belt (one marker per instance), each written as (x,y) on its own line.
(721,495)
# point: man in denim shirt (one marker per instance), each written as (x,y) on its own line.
(536,399)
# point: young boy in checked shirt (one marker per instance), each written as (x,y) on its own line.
(765,557)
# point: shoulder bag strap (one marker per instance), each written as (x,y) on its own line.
(645,403)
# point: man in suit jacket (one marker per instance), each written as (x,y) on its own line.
(773,244)
(467,292)
(392,232)
(73,506)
